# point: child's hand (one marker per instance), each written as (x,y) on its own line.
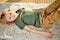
(48,34)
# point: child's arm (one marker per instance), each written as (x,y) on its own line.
(36,9)
(44,33)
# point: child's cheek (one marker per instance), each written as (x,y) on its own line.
(12,18)
(8,18)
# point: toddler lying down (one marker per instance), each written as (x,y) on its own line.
(37,18)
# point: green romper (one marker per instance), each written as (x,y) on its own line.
(27,17)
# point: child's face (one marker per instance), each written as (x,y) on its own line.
(11,15)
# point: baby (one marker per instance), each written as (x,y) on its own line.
(23,18)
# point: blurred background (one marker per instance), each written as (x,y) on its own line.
(29,1)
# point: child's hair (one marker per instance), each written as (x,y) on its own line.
(2,17)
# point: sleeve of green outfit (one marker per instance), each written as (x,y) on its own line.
(19,21)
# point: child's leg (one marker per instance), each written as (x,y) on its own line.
(53,7)
(56,15)
(46,20)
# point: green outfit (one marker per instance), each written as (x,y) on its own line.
(27,17)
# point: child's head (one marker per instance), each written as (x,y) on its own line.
(8,15)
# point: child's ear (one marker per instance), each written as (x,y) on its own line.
(2,14)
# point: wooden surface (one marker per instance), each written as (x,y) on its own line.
(28,1)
